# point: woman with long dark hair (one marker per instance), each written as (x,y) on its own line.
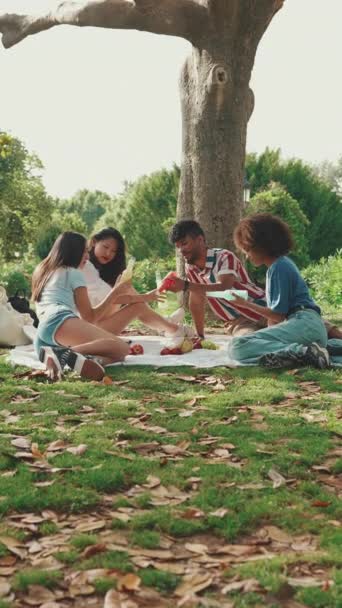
(66,332)
(107,261)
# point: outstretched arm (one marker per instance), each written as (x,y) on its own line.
(184,18)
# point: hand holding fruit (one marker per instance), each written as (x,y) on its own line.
(169,282)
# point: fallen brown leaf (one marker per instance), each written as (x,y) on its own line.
(277,478)
(192,583)
(128,582)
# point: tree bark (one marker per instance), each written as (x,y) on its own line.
(216,107)
(215,95)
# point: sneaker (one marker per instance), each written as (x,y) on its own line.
(282,359)
(57,358)
(317,356)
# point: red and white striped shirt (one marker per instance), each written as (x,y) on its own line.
(220,262)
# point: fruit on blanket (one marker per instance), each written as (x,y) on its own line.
(167,282)
(171,351)
(136,349)
(209,345)
(186,346)
(176,351)
(197,343)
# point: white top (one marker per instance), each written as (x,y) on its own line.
(98,289)
(59,291)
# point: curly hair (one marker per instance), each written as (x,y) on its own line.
(264,232)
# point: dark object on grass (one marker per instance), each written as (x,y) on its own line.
(21,304)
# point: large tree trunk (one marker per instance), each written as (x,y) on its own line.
(216,99)
(216,106)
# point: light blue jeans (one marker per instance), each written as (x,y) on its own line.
(335,352)
(300,329)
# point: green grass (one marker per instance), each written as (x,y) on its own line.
(44,578)
(151,501)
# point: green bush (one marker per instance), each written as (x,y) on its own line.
(325,280)
(16,276)
(276,200)
(46,239)
(144,275)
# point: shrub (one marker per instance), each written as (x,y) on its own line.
(275,199)
(324,278)
(144,275)
(46,239)
(16,276)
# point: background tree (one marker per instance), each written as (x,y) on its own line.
(331,173)
(318,201)
(23,199)
(215,95)
(275,199)
(143,213)
(87,205)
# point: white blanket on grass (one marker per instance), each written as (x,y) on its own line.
(26,355)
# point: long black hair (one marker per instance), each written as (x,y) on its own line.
(67,252)
(109,272)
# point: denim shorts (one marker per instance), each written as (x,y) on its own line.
(47,327)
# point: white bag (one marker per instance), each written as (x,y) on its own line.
(12,323)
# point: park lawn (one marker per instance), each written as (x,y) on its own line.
(172,487)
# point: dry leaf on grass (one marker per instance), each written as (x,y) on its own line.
(219,512)
(192,583)
(308,581)
(151,482)
(321,503)
(37,595)
(112,599)
(22,443)
(93,550)
(78,450)
(5,588)
(196,548)
(277,478)
(57,445)
(276,534)
(247,586)
(128,582)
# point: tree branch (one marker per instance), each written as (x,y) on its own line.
(183,18)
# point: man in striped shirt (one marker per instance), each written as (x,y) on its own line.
(214,270)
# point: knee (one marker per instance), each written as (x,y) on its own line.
(237,347)
(116,349)
(120,349)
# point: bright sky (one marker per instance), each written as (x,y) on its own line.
(102,106)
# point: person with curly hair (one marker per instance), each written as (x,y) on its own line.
(295,334)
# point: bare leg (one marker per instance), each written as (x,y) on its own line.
(119,320)
(197,308)
(88,339)
(334,332)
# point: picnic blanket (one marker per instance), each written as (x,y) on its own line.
(26,355)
